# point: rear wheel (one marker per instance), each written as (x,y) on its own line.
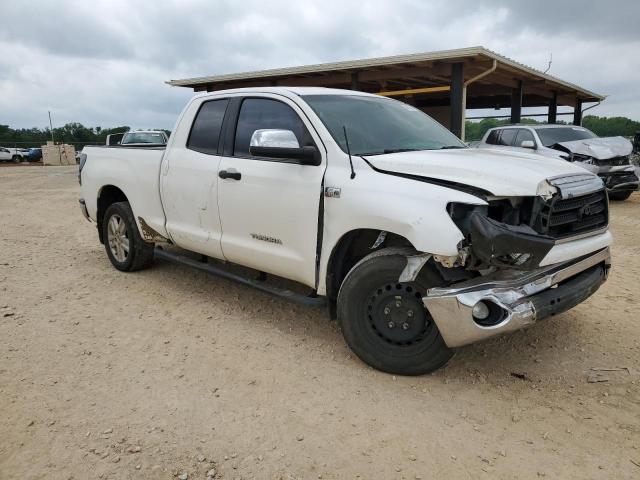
(385,322)
(619,196)
(16,158)
(125,247)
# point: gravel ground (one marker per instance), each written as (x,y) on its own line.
(169,373)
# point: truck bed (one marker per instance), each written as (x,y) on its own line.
(136,171)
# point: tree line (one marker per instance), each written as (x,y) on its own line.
(78,135)
(72,133)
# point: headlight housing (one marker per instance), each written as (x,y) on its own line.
(498,234)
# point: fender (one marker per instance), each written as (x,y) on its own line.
(415,210)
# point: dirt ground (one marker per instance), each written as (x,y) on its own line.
(166,372)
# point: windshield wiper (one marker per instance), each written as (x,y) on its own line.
(390,150)
(448,147)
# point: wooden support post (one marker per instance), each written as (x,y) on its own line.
(457,99)
(577,112)
(355,84)
(553,109)
(516,103)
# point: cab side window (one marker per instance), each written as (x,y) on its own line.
(508,136)
(205,131)
(523,135)
(492,139)
(265,113)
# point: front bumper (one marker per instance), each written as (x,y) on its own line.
(620,180)
(522,298)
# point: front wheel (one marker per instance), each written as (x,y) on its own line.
(16,159)
(385,322)
(125,247)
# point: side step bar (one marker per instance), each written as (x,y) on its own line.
(260,285)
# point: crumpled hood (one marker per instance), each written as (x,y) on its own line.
(503,173)
(600,148)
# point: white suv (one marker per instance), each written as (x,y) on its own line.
(608,157)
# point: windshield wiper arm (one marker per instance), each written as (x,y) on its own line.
(448,147)
(390,150)
(398,150)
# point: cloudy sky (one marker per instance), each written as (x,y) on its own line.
(105,62)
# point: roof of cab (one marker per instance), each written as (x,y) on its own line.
(300,91)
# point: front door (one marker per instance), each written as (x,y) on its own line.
(269,207)
(190,181)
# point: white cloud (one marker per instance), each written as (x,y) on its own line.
(105,63)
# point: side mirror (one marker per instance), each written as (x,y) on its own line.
(528,144)
(283,144)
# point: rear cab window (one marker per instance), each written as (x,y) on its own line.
(205,131)
(143,137)
(492,139)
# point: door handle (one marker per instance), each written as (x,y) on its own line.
(230,174)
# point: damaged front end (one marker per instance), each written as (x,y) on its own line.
(609,158)
(519,232)
(508,285)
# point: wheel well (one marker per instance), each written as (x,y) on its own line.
(108,196)
(350,249)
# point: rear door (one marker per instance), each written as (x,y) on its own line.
(269,209)
(190,179)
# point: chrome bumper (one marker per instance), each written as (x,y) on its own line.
(83,208)
(524,297)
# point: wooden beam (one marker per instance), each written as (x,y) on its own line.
(413,91)
(376,75)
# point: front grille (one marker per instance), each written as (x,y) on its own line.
(560,218)
(614,161)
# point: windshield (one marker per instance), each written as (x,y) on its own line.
(378,125)
(551,136)
(141,137)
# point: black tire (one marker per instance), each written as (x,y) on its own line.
(139,254)
(368,306)
(619,196)
(16,159)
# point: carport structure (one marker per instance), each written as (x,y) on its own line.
(444,84)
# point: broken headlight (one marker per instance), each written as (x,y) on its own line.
(578,157)
(499,234)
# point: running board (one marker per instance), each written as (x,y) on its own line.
(260,285)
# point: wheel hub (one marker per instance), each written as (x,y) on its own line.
(397,315)
(117,237)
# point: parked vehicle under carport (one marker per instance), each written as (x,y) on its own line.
(608,157)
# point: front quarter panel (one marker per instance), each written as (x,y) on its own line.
(413,209)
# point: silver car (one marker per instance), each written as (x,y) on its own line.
(608,157)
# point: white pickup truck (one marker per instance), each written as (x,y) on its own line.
(416,243)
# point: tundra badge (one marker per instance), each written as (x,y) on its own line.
(265,238)
(332,192)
